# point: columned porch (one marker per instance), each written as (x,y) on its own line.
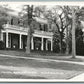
(43,44)
(14,41)
(19,41)
(16,37)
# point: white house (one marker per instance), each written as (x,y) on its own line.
(15,34)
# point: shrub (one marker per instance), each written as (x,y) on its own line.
(2,45)
(63,47)
(56,48)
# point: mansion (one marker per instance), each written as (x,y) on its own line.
(15,34)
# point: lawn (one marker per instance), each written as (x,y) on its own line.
(36,69)
(20,68)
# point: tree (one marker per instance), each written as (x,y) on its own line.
(30,11)
(39,10)
(56,40)
(75,21)
(3,18)
(67,12)
(29,15)
(76,14)
(58,16)
(73,33)
(2,22)
(79,33)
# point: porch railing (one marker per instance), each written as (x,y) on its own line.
(43,32)
(8,26)
(18,28)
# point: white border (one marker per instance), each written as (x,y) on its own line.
(70,3)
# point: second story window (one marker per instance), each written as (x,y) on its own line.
(40,26)
(45,27)
(12,21)
(18,22)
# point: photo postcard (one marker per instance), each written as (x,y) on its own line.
(42,41)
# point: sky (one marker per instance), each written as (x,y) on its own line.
(17,6)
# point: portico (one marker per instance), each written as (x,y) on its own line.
(43,44)
(14,36)
(44,39)
(15,39)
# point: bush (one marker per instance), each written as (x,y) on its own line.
(56,48)
(70,46)
(79,46)
(2,45)
(63,47)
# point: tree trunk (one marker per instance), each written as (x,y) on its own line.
(29,13)
(73,35)
(0,34)
(28,42)
(67,47)
(60,43)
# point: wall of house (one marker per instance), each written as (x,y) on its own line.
(39,26)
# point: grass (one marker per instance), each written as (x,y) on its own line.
(45,55)
(43,69)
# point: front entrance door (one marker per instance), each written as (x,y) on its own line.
(15,41)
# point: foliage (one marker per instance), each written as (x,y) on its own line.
(3,19)
(56,47)
(60,16)
(70,41)
(79,42)
(2,45)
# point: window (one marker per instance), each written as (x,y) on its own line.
(40,26)
(18,21)
(12,21)
(45,27)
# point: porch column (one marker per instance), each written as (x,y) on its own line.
(20,42)
(42,44)
(2,36)
(51,44)
(6,39)
(32,43)
(46,45)
(10,40)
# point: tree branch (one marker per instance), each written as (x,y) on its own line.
(61,21)
(66,26)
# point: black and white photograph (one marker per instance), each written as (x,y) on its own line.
(42,41)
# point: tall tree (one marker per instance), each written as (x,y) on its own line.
(67,12)
(3,18)
(73,33)
(76,13)
(58,16)
(29,15)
